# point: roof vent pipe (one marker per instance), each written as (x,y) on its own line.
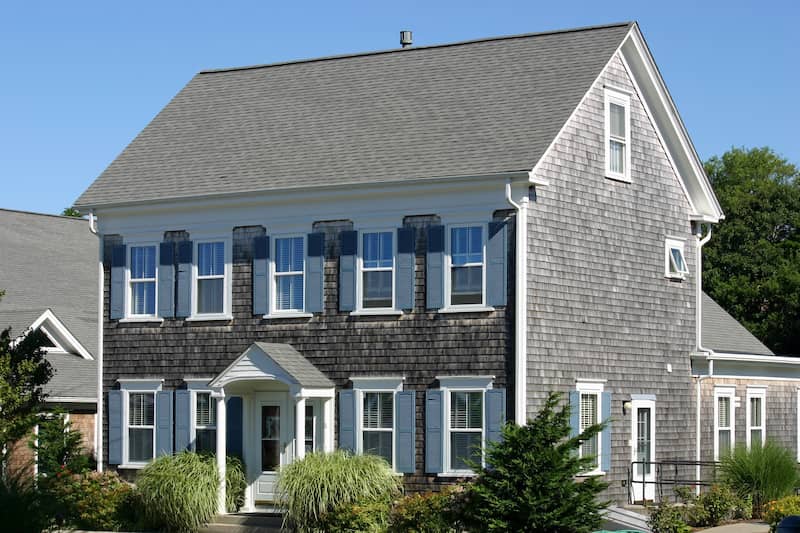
(405,38)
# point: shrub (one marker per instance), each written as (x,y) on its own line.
(179,492)
(22,509)
(667,518)
(529,483)
(357,518)
(321,482)
(763,473)
(431,512)
(235,484)
(58,445)
(777,510)
(712,507)
(90,500)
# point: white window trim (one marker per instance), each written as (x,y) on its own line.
(127,387)
(596,388)
(314,406)
(638,403)
(193,415)
(360,309)
(724,392)
(274,312)
(129,314)
(448,265)
(624,100)
(227,292)
(365,384)
(671,243)
(756,392)
(450,384)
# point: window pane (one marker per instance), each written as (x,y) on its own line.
(205,440)
(143,262)
(309,428)
(270,437)
(378,443)
(617,154)
(140,445)
(724,442)
(270,455)
(466,285)
(755,411)
(290,292)
(678,264)
(755,437)
(643,439)
(210,295)
(377,250)
(617,120)
(141,410)
(206,410)
(466,245)
(377,412)
(466,410)
(143,298)
(289,254)
(378,288)
(724,414)
(211,259)
(463,447)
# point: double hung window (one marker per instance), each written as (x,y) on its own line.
(590,415)
(142,281)
(377,426)
(724,416)
(210,278)
(205,420)
(756,416)
(466,265)
(141,426)
(289,273)
(466,429)
(377,270)
(618,135)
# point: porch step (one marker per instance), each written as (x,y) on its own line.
(628,517)
(245,523)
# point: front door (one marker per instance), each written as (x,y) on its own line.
(643,450)
(271,430)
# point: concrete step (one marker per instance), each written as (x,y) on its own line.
(245,523)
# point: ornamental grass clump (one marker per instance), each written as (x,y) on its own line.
(322,482)
(179,492)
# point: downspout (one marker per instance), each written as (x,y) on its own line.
(699,243)
(98,430)
(521,307)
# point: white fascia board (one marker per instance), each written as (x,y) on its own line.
(752,358)
(70,399)
(65,339)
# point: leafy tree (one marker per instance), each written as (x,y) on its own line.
(752,263)
(71,212)
(58,445)
(529,483)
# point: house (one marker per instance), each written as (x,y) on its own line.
(48,270)
(395,252)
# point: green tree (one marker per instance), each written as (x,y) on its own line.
(752,263)
(71,212)
(59,444)
(529,483)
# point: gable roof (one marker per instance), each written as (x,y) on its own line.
(723,333)
(466,109)
(273,361)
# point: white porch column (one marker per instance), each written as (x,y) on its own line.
(300,427)
(327,427)
(221,451)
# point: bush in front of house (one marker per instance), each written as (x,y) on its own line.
(714,506)
(430,512)
(764,473)
(372,517)
(529,482)
(777,510)
(668,518)
(178,492)
(322,482)
(22,507)
(235,484)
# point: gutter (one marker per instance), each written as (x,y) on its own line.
(700,242)
(98,424)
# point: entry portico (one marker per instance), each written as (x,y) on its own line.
(287,408)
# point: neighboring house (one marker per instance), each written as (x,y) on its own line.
(395,252)
(48,270)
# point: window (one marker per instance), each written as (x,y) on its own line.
(142,281)
(674,261)
(205,420)
(590,407)
(618,135)
(289,271)
(377,270)
(210,278)
(724,409)
(141,426)
(310,429)
(466,429)
(377,424)
(756,416)
(466,265)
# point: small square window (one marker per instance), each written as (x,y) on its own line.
(674,260)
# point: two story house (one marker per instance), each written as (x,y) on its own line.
(395,252)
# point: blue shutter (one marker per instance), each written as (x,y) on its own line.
(495,414)
(315,272)
(404,440)
(434,420)
(260,282)
(115,427)
(434,268)
(404,268)
(233,430)
(605,436)
(116,295)
(163,423)
(183,419)
(347,418)
(574,413)
(185,255)
(496,268)
(166,280)
(347,270)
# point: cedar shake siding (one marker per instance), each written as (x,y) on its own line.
(599,305)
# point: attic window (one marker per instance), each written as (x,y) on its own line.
(617,135)
(674,260)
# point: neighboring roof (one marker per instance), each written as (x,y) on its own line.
(48,262)
(465,109)
(723,333)
(297,366)
(73,378)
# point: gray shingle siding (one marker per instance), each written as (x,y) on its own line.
(599,305)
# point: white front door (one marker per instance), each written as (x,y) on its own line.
(643,436)
(271,430)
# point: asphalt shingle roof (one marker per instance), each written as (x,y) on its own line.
(73,377)
(297,366)
(473,108)
(723,333)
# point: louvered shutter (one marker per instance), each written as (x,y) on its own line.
(117,286)
(434,420)
(404,268)
(496,268)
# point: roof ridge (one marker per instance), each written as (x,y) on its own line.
(416,48)
(21,211)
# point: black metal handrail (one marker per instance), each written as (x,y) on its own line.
(662,477)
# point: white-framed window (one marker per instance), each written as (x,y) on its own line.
(674,259)
(210,278)
(617,135)
(288,274)
(465,273)
(376,261)
(464,421)
(756,413)
(138,420)
(311,428)
(590,409)
(724,421)
(375,397)
(142,265)
(204,425)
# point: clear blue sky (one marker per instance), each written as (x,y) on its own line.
(80,79)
